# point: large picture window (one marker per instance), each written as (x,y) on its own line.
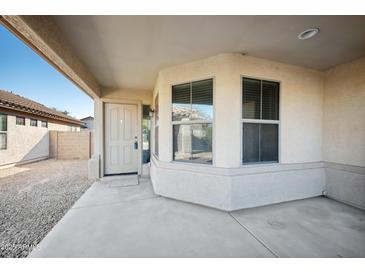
(192,116)
(3,131)
(260,121)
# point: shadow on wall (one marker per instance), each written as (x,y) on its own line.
(16,159)
(39,151)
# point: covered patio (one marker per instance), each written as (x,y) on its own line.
(112,220)
(247,134)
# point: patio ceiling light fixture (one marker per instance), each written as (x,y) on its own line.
(309,33)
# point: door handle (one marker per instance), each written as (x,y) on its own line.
(135,144)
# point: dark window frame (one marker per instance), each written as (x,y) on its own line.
(146,133)
(192,122)
(32,120)
(44,122)
(5,132)
(260,121)
(19,117)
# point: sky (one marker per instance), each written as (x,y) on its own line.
(24,72)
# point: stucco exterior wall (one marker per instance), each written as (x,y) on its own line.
(236,188)
(312,103)
(344,114)
(301,106)
(24,143)
(89,123)
(344,132)
(227,184)
(127,94)
(60,127)
(27,143)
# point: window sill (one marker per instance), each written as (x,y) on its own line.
(259,164)
(191,163)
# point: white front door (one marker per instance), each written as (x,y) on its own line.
(121,136)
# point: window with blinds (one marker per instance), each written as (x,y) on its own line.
(193,101)
(260,121)
(192,116)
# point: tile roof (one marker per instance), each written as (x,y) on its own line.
(88,117)
(16,102)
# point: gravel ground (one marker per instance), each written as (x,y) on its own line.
(33,198)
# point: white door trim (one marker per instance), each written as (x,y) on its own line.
(139,104)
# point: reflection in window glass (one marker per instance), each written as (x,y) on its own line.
(192,115)
(146,131)
(2,140)
(193,101)
(193,142)
(3,131)
(181,102)
(3,122)
(156,126)
(33,122)
(202,100)
(20,121)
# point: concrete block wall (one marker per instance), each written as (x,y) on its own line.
(71,145)
(53,143)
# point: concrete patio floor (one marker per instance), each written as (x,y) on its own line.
(112,220)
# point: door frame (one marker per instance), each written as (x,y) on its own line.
(139,104)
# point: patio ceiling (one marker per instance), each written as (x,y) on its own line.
(128,51)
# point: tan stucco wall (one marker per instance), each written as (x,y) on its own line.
(301,106)
(127,94)
(27,143)
(344,114)
(24,143)
(60,127)
(89,123)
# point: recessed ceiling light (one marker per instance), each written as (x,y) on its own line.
(309,33)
